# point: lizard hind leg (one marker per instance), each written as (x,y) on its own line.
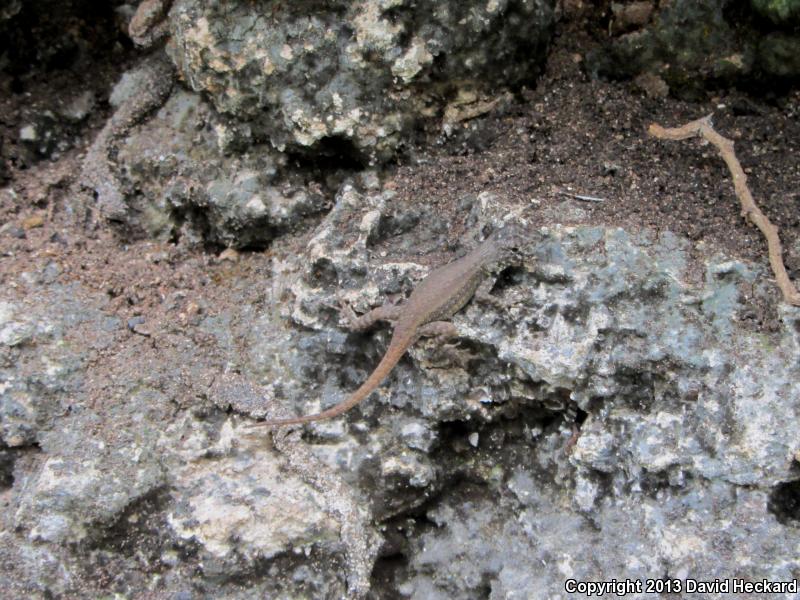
(444,334)
(442,330)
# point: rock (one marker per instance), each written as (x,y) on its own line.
(337,84)
(37,369)
(187,185)
(652,85)
(694,423)
(780,12)
(32,222)
(347,72)
(694,45)
(12,230)
(84,484)
(599,391)
(779,54)
(631,15)
(240,510)
(79,107)
(511,545)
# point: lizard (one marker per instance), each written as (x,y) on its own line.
(439,296)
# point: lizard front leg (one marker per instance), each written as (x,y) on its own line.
(483,295)
(387,312)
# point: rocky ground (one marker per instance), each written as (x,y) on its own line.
(178,230)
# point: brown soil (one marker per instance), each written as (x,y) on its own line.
(574,135)
(570,135)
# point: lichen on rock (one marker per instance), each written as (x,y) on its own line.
(362,73)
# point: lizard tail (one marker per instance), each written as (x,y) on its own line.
(392,356)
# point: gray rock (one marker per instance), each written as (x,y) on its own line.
(240,509)
(601,392)
(188,183)
(83,485)
(292,90)
(348,75)
(691,46)
(77,109)
(12,230)
(680,421)
(38,371)
(496,545)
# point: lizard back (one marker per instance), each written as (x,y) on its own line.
(448,288)
(437,297)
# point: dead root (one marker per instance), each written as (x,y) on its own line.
(750,211)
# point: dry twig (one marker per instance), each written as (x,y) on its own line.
(582,197)
(750,211)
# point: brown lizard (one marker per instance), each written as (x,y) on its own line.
(437,298)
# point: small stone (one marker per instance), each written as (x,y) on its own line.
(192,308)
(136,325)
(28,134)
(418,435)
(229,254)
(79,107)
(14,231)
(652,85)
(629,16)
(32,222)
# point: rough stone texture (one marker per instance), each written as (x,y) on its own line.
(38,370)
(506,542)
(134,97)
(468,464)
(333,76)
(181,180)
(300,97)
(696,45)
(177,174)
(604,391)
(182,170)
(85,483)
(238,509)
(684,426)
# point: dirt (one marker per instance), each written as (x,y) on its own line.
(581,137)
(571,135)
